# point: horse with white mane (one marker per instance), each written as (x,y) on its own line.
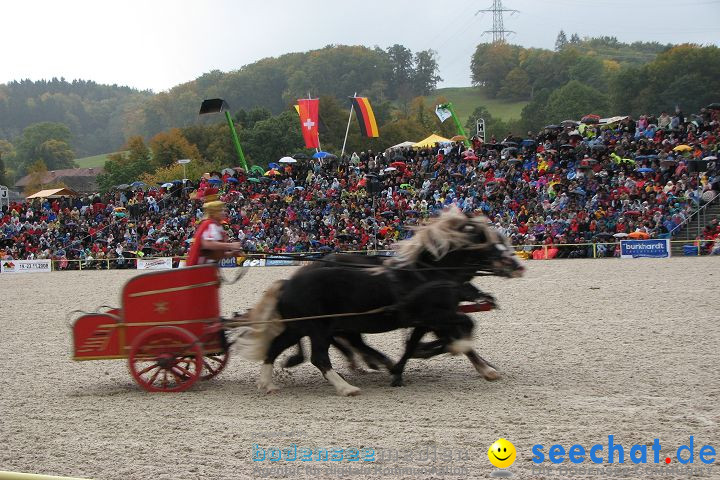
(420,287)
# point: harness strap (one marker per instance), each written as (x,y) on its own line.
(241,323)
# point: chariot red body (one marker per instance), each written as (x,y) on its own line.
(168,327)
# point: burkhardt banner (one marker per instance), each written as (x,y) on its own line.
(162,263)
(658,248)
(25,266)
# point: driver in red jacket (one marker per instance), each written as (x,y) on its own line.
(210,242)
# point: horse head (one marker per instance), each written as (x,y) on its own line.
(458,241)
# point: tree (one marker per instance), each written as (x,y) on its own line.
(45,141)
(491,64)
(7,154)
(575,39)
(561,41)
(168,147)
(516,85)
(575,100)
(401,71)
(37,171)
(425,77)
(128,166)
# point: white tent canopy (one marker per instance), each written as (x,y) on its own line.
(402,145)
(54,193)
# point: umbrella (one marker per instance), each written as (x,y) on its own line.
(573,123)
(387,213)
(398,165)
(300,156)
(458,138)
(215,180)
(714,106)
(682,148)
(566,145)
(575,133)
(229,171)
(510,144)
(299,188)
(287,160)
(514,161)
(590,119)
(254,180)
(639,235)
(598,146)
(620,235)
(271,172)
(398,158)
(137,184)
(167,185)
(320,154)
(552,127)
(273,165)
(711,157)
(257,170)
(123,186)
(233,180)
(644,170)
(528,142)
(325,248)
(390,169)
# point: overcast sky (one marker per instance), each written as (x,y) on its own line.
(157,44)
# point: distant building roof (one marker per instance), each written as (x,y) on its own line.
(76,176)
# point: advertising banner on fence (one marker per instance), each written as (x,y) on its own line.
(279,261)
(25,266)
(645,248)
(232,262)
(163,263)
(254,262)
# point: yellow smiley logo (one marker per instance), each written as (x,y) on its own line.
(502,453)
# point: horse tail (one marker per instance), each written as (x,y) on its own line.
(264,323)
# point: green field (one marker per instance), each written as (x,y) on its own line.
(94,161)
(466,99)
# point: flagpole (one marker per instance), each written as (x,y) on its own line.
(347,130)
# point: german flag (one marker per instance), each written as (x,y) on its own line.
(366,117)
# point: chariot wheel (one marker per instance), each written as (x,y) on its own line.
(166,359)
(213,364)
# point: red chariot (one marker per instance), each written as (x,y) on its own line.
(168,328)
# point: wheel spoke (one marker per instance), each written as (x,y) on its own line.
(183,371)
(146,370)
(155,375)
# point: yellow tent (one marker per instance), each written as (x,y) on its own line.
(431,141)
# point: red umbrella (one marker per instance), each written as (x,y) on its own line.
(398,165)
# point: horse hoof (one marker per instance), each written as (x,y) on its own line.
(491,375)
(269,388)
(397,382)
(349,391)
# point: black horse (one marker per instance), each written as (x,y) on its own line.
(418,288)
(348,344)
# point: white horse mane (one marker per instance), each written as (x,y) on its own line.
(441,236)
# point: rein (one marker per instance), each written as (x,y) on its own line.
(242,323)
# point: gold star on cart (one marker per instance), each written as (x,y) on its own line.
(161,307)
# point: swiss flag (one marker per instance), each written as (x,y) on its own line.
(308,110)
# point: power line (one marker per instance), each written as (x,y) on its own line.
(498,31)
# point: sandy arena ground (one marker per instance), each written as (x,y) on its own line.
(588,348)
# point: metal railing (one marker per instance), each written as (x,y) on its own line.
(700,214)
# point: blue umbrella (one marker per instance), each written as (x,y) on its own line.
(528,142)
(232,180)
(645,170)
(320,154)
(273,165)
(641,157)
(215,180)
(137,184)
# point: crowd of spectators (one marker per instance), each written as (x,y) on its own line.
(569,184)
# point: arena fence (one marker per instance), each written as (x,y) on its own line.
(528,252)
